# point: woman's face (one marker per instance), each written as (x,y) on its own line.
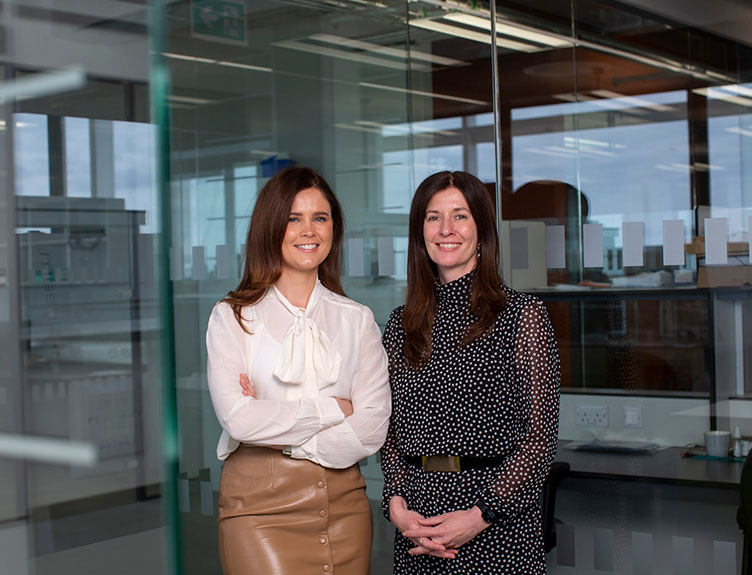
(450,234)
(308,237)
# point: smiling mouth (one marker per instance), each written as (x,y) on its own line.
(448,246)
(307,246)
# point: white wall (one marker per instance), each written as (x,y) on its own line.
(666,421)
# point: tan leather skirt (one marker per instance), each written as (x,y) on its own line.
(284,516)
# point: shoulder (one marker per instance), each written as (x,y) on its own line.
(223,316)
(523,305)
(517,300)
(394,323)
(395,318)
(525,311)
(344,304)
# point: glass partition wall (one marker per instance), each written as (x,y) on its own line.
(617,147)
(80,372)
(613,136)
(617,143)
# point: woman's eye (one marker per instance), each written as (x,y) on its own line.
(461,216)
(320,218)
(432,218)
(294,219)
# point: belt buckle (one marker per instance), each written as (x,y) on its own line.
(441,463)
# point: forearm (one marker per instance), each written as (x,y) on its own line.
(267,422)
(342,445)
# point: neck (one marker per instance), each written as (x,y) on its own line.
(297,287)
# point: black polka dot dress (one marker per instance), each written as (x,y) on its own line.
(495,397)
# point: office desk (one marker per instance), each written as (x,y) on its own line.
(664,467)
(624,513)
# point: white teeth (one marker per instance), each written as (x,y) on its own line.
(308,246)
(449,245)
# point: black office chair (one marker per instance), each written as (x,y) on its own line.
(556,474)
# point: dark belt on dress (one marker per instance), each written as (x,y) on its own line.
(454,463)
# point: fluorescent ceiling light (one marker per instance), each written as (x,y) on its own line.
(738,89)
(422,93)
(358,128)
(671,168)
(42,84)
(429,24)
(548,153)
(635,101)
(740,131)
(187,58)
(720,93)
(386,50)
(506,29)
(571,140)
(403,129)
(703,167)
(344,55)
(188,99)
(244,66)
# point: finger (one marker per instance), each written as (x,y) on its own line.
(245,383)
(431,521)
(427,543)
(416,532)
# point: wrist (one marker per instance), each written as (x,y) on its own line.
(487,514)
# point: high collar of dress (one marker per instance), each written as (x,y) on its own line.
(456,292)
(295,310)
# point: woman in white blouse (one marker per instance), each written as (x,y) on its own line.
(299,383)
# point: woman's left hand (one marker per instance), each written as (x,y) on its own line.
(245,383)
(452,530)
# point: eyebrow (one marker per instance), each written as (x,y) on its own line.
(314,213)
(459,209)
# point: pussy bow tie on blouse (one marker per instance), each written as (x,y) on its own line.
(290,366)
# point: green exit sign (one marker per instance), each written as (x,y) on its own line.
(218,20)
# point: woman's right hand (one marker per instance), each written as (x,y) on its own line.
(345,405)
(404,520)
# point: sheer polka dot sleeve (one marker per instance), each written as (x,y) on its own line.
(538,374)
(392,463)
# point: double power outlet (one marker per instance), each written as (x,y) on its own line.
(597,416)
(592,415)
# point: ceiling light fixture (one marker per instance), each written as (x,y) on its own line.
(385,50)
(353,56)
(723,93)
(506,29)
(635,101)
(188,100)
(188,58)
(244,66)
(459,32)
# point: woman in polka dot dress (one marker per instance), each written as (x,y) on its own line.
(475,373)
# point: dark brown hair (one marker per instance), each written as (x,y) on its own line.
(487,297)
(263,245)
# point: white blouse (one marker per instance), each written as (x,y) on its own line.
(299,360)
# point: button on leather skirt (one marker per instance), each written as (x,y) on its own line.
(284,516)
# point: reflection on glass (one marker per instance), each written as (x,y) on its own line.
(32,172)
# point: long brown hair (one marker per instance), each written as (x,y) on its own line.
(263,245)
(487,296)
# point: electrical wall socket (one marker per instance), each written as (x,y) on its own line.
(592,415)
